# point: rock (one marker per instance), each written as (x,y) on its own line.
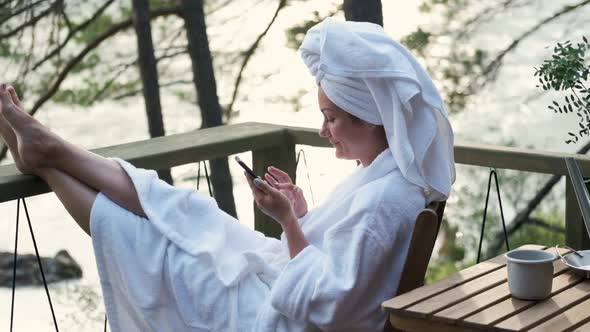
(61,267)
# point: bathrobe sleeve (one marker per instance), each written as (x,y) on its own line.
(331,287)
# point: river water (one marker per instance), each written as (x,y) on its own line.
(499,116)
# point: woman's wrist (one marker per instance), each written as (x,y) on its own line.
(295,238)
(288,222)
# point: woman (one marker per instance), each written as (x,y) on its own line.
(170,260)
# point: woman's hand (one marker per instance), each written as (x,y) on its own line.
(273,202)
(283,182)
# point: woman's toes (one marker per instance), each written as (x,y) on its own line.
(14,97)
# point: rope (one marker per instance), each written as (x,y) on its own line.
(485,211)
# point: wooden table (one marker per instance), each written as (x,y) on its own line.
(478,298)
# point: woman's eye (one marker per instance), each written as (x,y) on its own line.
(330,119)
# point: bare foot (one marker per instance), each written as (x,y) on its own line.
(36,146)
(9,137)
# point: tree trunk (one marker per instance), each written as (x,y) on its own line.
(149,74)
(363,11)
(204,79)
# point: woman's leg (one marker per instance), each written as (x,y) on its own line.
(38,148)
(75,196)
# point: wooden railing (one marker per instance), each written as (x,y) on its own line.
(276,144)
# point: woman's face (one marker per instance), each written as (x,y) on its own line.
(350,137)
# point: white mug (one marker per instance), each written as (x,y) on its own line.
(530,273)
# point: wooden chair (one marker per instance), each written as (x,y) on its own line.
(423,237)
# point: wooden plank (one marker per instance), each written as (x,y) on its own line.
(162,152)
(518,159)
(458,294)
(307,136)
(483,155)
(428,291)
(548,308)
(499,293)
(582,328)
(474,304)
(405,323)
(205,144)
(511,306)
(420,251)
(577,315)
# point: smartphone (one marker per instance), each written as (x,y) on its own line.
(246,168)
(251,172)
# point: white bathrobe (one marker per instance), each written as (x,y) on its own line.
(191,267)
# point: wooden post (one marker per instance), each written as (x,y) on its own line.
(576,235)
(280,156)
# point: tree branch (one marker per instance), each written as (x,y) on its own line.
(484,16)
(490,71)
(546,225)
(20,10)
(123,68)
(5,3)
(52,89)
(72,33)
(162,85)
(30,22)
(248,54)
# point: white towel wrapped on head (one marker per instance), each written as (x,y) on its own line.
(371,76)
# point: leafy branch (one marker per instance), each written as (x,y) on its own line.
(567,72)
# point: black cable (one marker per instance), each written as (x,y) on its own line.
(501,212)
(14,264)
(40,265)
(198,175)
(208,180)
(485,212)
(302,152)
(206,176)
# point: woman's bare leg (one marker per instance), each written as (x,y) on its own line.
(75,196)
(39,148)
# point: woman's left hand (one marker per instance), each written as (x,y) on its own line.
(271,201)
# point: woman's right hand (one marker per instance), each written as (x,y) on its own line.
(286,186)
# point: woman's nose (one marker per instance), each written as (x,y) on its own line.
(324,132)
